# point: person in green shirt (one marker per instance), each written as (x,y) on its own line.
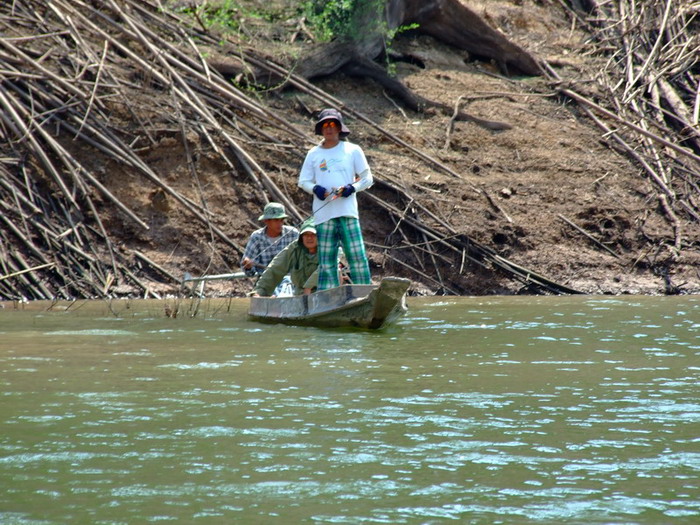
(299,259)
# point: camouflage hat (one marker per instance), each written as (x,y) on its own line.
(273,210)
(307,226)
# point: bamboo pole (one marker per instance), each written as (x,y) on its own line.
(26,270)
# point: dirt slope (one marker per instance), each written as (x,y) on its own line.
(529,193)
(552,166)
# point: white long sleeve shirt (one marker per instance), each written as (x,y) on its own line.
(334,168)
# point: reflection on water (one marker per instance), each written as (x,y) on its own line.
(477,410)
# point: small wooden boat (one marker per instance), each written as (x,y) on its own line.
(360,305)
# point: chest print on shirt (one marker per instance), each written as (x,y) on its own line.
(327,164)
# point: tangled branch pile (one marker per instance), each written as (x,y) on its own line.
(78,76)
(651,88)
(67,68)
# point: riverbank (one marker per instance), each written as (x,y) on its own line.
(555,195)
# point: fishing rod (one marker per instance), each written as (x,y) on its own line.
(189,279)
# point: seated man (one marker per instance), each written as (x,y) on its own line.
(268,241)
(299,259)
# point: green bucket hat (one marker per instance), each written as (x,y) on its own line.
(307,226)
(273,210)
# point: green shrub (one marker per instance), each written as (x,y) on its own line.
(344,19)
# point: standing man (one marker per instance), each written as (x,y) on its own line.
(334,171)
(268,241)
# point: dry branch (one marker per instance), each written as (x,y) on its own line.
(650,88)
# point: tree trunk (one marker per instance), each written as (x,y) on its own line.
(446,20)
(452,22)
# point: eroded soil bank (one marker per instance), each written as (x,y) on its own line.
(552,194)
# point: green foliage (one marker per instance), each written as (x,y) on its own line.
(390,36)
(344,19)
(223,15)
(226,15)
(393,33)
(352,20)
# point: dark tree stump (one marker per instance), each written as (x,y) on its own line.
(452,22)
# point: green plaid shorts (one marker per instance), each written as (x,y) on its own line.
(345,232)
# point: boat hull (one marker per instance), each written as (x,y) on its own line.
(364,306)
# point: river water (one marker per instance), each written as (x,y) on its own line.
(470,410)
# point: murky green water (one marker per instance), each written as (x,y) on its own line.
(470,410)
